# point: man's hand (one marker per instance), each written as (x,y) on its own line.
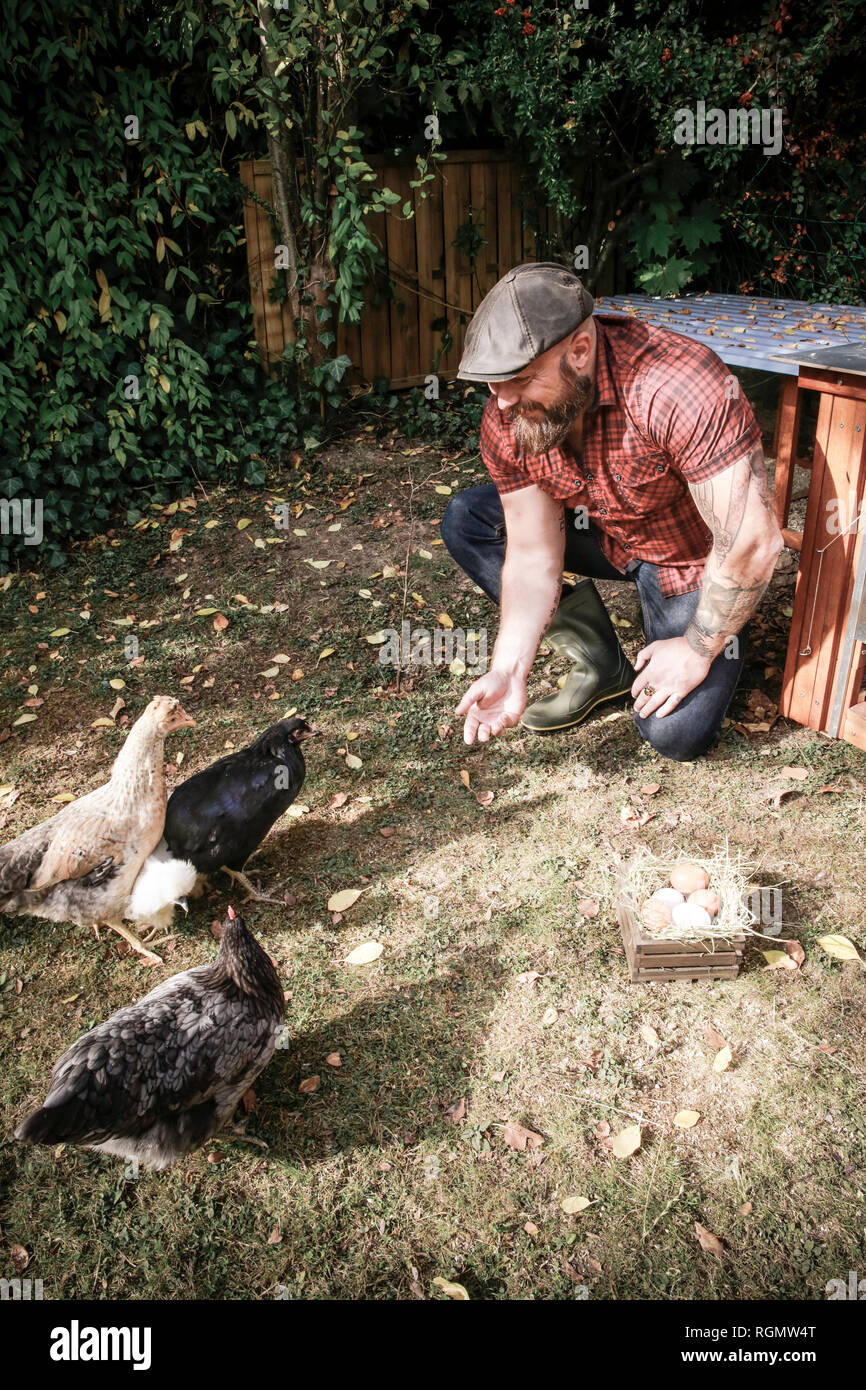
(492,703)
(670,669)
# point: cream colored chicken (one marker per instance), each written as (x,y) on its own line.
(82,864)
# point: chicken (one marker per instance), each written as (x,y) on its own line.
(218,818)
(159,1078)
(80,865)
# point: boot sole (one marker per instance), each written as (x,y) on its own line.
(573,723)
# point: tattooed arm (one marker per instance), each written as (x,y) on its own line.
(737,508)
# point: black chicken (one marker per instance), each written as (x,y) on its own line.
(218,818)
(160,1077)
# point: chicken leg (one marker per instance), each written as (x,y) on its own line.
(248,888)
(132,940)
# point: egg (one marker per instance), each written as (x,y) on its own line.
(706,897)
(669,896)
(690,915)
(688,878)
(655,915)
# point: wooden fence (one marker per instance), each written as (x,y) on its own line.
(430,277)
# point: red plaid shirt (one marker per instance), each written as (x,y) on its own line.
(663,416)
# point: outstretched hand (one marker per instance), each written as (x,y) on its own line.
(492,703)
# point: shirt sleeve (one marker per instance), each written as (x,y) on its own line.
(696,411)
(498,453)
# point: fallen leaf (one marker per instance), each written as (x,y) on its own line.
(353,761)
(686,1119)
(651,788)
(778,960)
(572,1205)
(310,1085)
(456,1111)
(450,1289)
(649,1035)
(346,898)
(365,954)
(337,800)
(516,1136)
(714,1037)
(708,1241)
(464,777)
(746,1209)
(20,1258)
(334,1059)
(839,947)
(276,1236)
(117,684)
(220,622)
(528,977)
(549,1016)
(63,796)
(797,774)
(626,1142)
(484,798)
(588,907)
(530,1228)
(795,951)
(722,1059)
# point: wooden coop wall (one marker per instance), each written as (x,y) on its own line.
(430,277)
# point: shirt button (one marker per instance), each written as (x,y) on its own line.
(618,477)
(660,468)
(588,477)
(603,511)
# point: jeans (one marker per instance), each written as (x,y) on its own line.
(473,529)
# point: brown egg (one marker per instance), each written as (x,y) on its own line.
(688,878)
(706,898)
(655,915)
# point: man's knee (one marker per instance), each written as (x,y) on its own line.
(677,736)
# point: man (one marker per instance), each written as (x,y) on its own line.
(617,451)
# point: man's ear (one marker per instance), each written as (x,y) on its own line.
(581,345)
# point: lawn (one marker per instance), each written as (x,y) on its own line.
(501,995)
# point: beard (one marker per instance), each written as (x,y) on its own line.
(537,436)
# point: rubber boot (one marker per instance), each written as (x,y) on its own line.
(582,631)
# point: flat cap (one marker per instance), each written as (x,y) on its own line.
(529,310)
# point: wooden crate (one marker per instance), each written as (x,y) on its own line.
(652,960)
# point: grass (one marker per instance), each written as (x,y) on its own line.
(368,1188)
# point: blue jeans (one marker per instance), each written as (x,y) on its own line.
(473,529)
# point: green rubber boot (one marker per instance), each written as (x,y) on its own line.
(582,631)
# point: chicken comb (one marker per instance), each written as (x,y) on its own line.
(231,913)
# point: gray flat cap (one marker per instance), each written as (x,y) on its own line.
(529,310)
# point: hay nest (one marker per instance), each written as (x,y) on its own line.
(729,877)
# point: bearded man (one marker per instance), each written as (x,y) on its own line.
(616,451)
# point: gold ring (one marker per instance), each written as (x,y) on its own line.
(649,690)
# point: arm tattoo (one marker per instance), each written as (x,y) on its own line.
(721,612)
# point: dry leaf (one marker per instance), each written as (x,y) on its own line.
(484,798)
(517,1136)
(334,1059)
(456,1111)
(338,799)
(276,1236)
(588,907)
(353,761)
(649,1035)
(714,1037)
(549,1016)
(626,1142)
(572,1205)
(797,774)
(778,960)
(530,1228)
(795,951)
(451,1290)
(746,1209)
(722,1059)
(346,898)
(220,622)
(464,777)
(365,954)
(708,1241)
(528,977)
(310,1085)
(686,1119)
(20,1258)
(839,947)
(651,788)
(830,787)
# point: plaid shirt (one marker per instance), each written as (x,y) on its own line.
(663,416)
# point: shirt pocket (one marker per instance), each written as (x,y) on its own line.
(646,486)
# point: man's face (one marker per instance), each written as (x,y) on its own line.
(545,401)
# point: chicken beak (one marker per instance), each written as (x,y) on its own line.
(182,903)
